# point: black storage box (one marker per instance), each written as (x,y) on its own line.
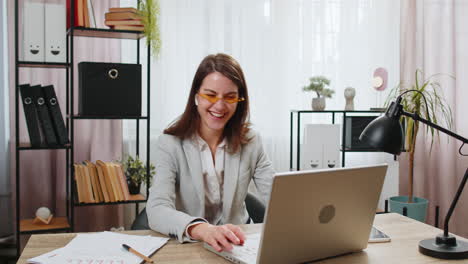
(354,127)
(109,89)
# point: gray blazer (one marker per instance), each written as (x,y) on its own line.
(177,196)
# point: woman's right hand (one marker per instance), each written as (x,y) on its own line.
(219,237)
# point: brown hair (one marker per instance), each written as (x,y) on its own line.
(236,129)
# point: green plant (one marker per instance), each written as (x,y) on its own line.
(319,84)
(135,170)
(435,109)
(149,11)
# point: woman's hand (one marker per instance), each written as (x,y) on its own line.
(219,237)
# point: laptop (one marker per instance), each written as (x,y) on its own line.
(313,215)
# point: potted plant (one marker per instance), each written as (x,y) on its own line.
(319,84)
(436,111)
(135,171)
(149,11)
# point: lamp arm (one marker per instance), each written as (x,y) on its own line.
(429,123)
(465,178)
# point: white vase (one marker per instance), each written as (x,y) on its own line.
(349,94)
(318,103)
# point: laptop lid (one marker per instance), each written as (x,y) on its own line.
(318,214)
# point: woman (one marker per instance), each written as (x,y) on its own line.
(206,160)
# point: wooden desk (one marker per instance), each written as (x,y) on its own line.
(405,233)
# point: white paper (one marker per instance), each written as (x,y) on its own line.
(102,248)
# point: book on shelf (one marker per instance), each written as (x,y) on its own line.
(122,9)
(115,184)
(122,16)
(86,14)
(88,183)
(101,182)
(132,28)
(123,23)
(97,192)
(79,12)
(83,13)
(122,180)
(78,184)
(107,180)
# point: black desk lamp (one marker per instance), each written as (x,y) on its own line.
(386,134)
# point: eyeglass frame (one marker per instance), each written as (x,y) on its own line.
(210,98)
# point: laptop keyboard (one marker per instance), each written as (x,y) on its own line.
(248,252)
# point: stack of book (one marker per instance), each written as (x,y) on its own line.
(101,182)
(84,13)
(124,18)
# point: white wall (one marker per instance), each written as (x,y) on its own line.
(280,44)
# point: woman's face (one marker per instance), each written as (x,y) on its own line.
(215,115)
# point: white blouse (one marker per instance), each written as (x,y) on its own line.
(213,178)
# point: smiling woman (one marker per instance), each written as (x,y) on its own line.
(216,111)
(218,77)
(206,160)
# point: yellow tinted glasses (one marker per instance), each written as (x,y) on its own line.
(230,99)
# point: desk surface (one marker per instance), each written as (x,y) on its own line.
(405,233)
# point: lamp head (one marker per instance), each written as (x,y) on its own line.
(385,132)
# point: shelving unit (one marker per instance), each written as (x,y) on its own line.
(35,64)
(72,117)
(66,223)
(333,113)
(24,225)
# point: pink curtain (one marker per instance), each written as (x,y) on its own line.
(42,173)
(434,38)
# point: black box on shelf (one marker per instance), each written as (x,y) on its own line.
(109,89)
(354,127)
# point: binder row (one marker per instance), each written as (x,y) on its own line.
(44,119)
(101,182)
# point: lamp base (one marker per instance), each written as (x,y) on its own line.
(444,247)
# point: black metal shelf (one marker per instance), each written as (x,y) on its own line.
(333,113)
(66,223)
(27,146)
(72,116)
(107,117)
(37,64)
(336,111)
(58,224)
(110,203)
(45,231)
(27,226)
(359,150)
(104,33)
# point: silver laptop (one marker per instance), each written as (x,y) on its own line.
(313,215)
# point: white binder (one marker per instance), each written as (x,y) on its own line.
(331,146)
(33,31)
(321,148)
(55,33)
(311,156)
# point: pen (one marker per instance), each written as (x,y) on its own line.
(127,247)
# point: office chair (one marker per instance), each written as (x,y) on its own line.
(255,208)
